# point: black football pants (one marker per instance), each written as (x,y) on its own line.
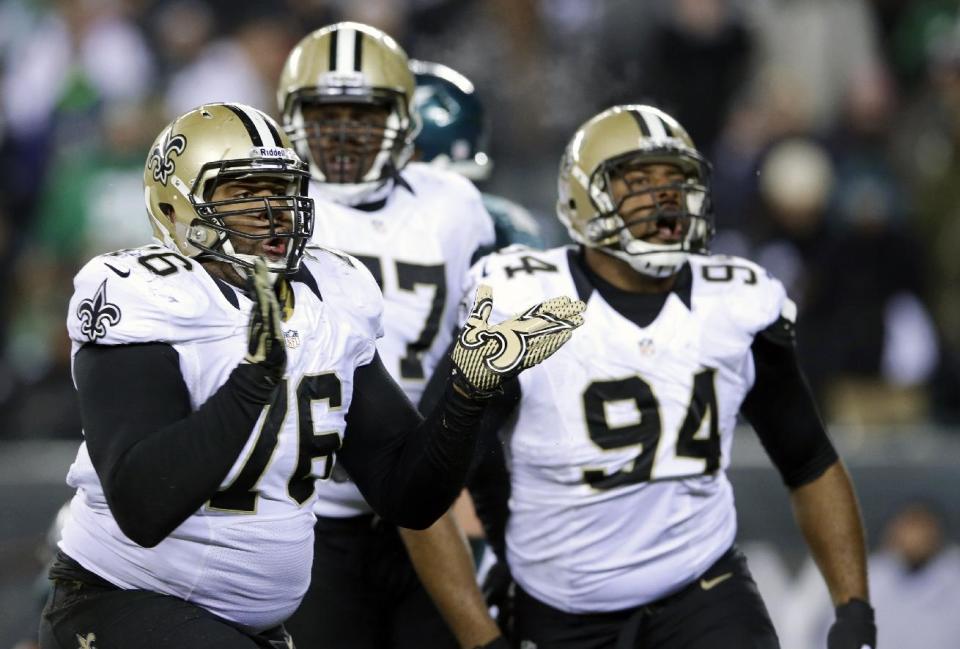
(727,614)
(86,616)
(364,593)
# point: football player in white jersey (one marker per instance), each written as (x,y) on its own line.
(221,371)
(621,519)
(345,95)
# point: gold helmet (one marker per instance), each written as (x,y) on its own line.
(216,143)
(601,147)
(352,63)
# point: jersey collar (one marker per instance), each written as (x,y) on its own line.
(586,282)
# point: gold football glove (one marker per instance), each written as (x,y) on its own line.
(265,344)
(486,354)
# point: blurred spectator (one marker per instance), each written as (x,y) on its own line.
(243,67)
(78,47)
(870,345)
(810,50)
(70,59)
(914,586)
(93,197)
(693,60)
(928,148)
(915,581)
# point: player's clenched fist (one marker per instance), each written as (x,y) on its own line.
(486,354)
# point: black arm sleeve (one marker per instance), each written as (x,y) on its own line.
(489,481)
(409,469)
(781,409)
(157,460)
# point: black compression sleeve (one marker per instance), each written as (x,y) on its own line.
(489,481)
(159,462)
(408,468)
(780,407)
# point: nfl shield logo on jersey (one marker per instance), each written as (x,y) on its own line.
(292,337)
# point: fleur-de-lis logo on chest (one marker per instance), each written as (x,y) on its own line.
(96,314)
(161,160)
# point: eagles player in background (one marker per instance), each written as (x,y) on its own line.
(621,519)
(219,372)
(345,94)
(453,135)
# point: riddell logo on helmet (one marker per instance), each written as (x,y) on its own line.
(335,78)
(272,152)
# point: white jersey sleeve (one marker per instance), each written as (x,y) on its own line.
(146,294)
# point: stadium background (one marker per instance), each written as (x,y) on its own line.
(833,126)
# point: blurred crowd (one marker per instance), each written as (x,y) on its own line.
(833,127)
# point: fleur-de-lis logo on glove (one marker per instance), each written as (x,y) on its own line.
(162,161)
(487,354)
(96,314)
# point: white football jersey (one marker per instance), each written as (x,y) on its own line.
(246,554)
(418,246)
(618,447)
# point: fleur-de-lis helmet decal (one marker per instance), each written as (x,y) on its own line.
(161,161)
(96,314)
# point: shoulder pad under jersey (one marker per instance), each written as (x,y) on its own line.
(752,297)
(347,285)
(145,294)
(520,277)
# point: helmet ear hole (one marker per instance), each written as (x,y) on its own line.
(167,210)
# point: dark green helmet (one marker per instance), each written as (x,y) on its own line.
(453,133)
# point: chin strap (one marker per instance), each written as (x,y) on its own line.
(245,262)
(647,263)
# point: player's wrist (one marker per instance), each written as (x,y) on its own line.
(254,382)
(854,627)
(468,390)
(855,608)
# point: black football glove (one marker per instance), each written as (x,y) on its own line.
(498,590)
(497,643)
(854,627)
(266,347)
(485,355)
